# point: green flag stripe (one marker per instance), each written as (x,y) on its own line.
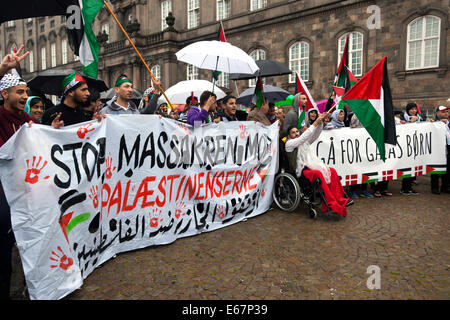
(370,119)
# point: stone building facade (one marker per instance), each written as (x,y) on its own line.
(305,35)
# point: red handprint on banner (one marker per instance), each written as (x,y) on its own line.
(109,167)
(64,261)
(155,217)
(220,212)
(181,206)
(94,196)
(243,130)
(82,131)
(182,126)
(33,171)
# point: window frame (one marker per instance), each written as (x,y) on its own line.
(195,10)
(422,41)
(226,10)
(292,76)
(350,51)
(258,51)
(163,17)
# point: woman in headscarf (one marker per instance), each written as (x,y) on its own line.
(311,116)
(35,107)
(411,114)
(337,120)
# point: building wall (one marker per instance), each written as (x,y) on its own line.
(273,29)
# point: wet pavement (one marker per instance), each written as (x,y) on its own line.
(285,256)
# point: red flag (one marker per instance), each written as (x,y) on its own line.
(301,87)
(221,34)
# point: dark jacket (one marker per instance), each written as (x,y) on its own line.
(10,123)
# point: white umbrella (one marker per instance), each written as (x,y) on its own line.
(217,55)
(179,92)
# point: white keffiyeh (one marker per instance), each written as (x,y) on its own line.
(10,80)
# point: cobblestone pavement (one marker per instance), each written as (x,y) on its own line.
(290,256)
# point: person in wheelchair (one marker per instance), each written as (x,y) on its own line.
(305,163)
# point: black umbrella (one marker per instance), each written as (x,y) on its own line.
(267,68)
(272,94)
(34,8)
(50,81)
(108,95)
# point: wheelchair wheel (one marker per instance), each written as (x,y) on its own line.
(312,213)
(286,192)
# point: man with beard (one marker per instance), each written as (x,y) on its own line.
(70,110)
(291,118)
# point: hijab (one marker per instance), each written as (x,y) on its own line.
(335,119)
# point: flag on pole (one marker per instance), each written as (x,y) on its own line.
(258,96)
(221,34)
(371,101)
(221,37)
(83,40)
(341,78)
(339,91)
(310,103)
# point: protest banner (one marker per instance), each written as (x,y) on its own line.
(352,152)
(84,193)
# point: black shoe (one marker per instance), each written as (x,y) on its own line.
(435,191)
(413,192)
(349,203)
(405,192)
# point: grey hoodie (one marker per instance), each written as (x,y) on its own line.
(111,107)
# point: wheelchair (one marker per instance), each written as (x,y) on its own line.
(289,191)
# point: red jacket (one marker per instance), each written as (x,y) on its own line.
(10,123)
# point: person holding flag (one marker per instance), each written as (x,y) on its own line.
(303,160)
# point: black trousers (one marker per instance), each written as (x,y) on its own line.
(6,244)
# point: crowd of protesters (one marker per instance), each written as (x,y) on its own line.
(80,103)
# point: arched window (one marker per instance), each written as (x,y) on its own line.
(422,50)
(258,54)
(299,61)
(355,52)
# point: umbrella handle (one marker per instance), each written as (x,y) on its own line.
(135,49)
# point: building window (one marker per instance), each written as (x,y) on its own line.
(192,72)
(223,9)
(53,54)
(257,54)
(64,51)
(423,43)
(42,28)
(299,61)
(257,4)
(166,7)
(193,11)
(223,80)
(156,70)
(105,29)
(10,23)
(31,61)
(52,23)
(43,58)
(355,52)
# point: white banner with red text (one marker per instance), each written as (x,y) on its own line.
(84,193)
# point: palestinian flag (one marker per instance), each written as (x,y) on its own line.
(83,40)
(221,34)
(221,38)
(341,91)
(371,101)
(310,103)
(258,96)
(341,79)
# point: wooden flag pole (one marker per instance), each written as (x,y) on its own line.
(135,49)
